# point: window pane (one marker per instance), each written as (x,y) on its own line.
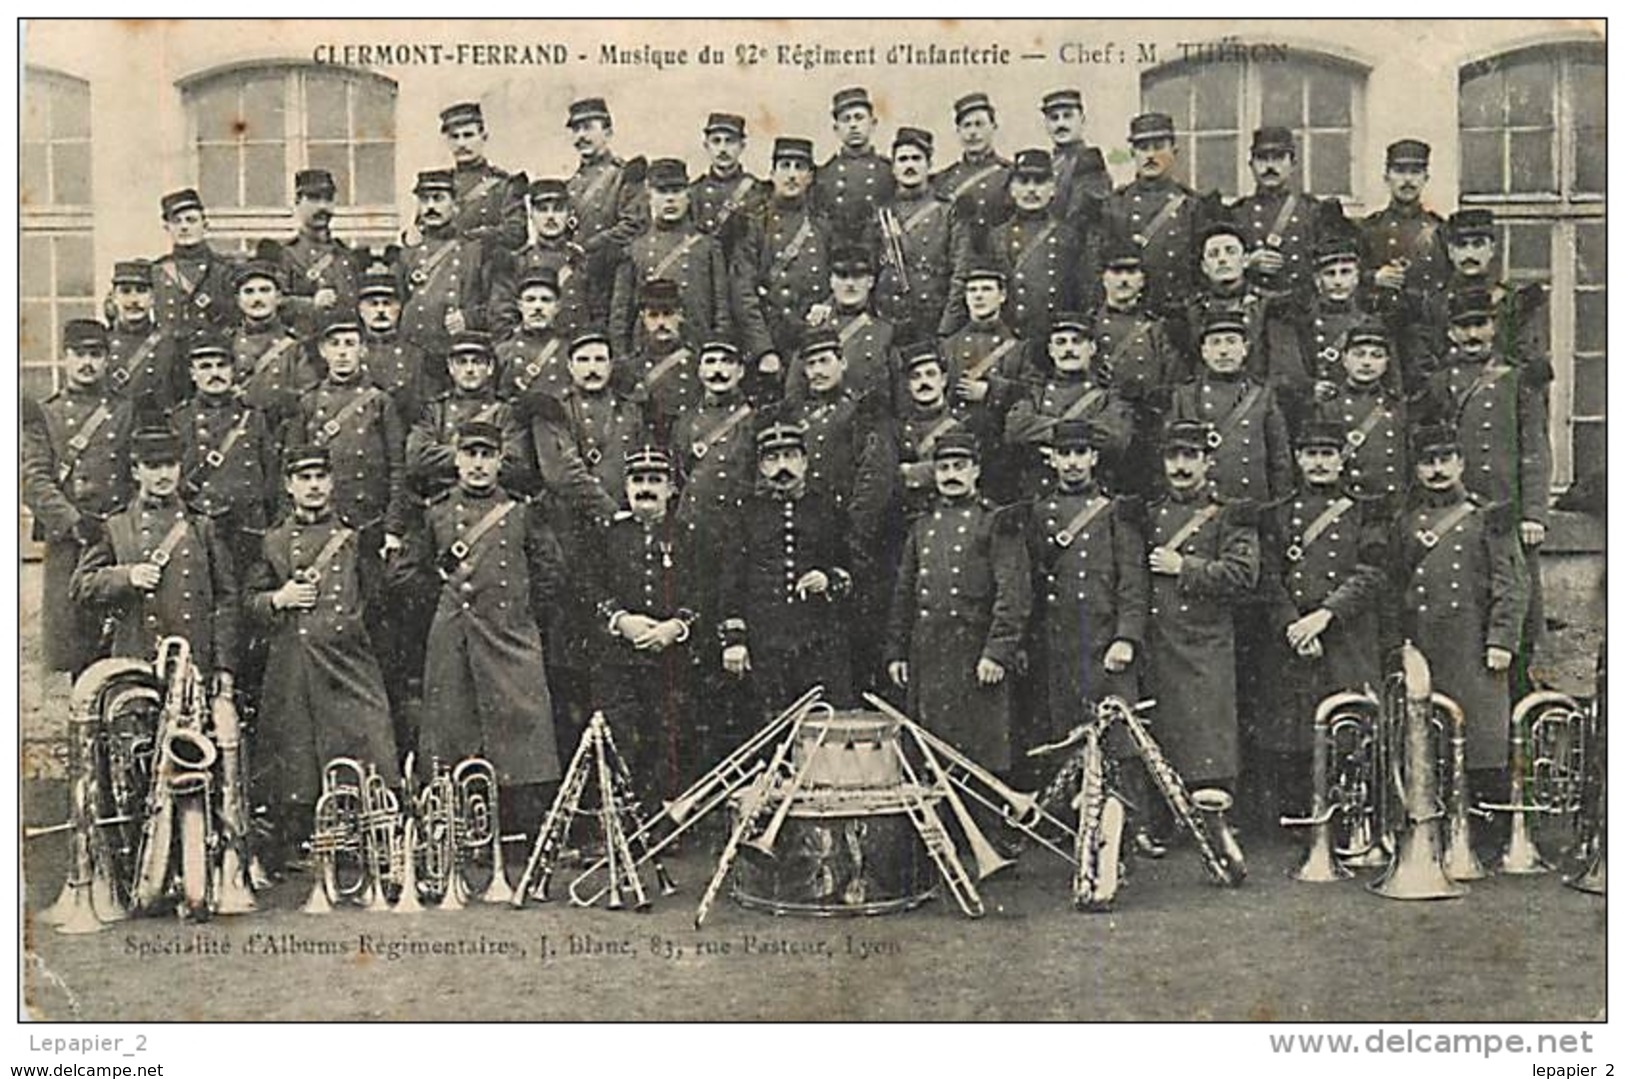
(1329,164)
(1172,96)
(70,111)
(335,158)
(35,119)
(217,175)
(265,175)
(1532,165)
(1480,101)
(1529,93)
(1216,164)
(35,335)
(326,109)
(375,174)
(215,107)
(1529,251)
(1481,163)
(33,175)
(1282,88)
(1588,90)
(1218,97)
(71,172)
(37,383)
(374,104)
(264,99)
(1591,324)
(1590,445)
(1331,99)
(34,261)
(1591,253)
(1591,160)
(77,309)
(75,271)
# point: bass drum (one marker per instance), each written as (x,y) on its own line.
(839,853)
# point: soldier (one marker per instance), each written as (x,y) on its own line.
(1402,245)
(1042,255)
(445,276)
(1068,388)
(1325,585)
(606,192)
(490,203)
(915,233)
(1521,320)
(192,284)
(1280,225)
(781,266)
(355,422)
(713,441)
(143,361)
(978,184)
(663,375)
(485,683)
(1081,180)
(1223,287)
(581,281)
(1157,213)
(75,471)
(1312,348)
(646,599)
(272,364)
(867,340)
(674,249)
(228,454)
(1371,415)
(160,570)
(314,590)
(604,426)
(782,583)
(1464,594)
(988,368)
(431,454)
(320,272)
(532,356)
(1091,588)
(955,648)
(1204,557)
(1251,454)
(857,178)
(395,365)
(727,196)
(924,417)
(1137,358)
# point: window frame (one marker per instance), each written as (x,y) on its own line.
(1565,159)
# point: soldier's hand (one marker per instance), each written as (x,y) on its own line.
(1266,260)
(455,321)
(295,595)
(769,363)
(325,297)
(818,314)
(736,659)
(918,474)
(815,582)
(634,627)
(988,673)
(661,636)
(392,543)
(973,389)
(1497,659)
(1325,390)
(1166,562)
(1119,654)
(897,671)
(1533,533)
(145,576)
(1390,275)
(1312,648)
(1308,628)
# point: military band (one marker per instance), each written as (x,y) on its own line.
(997,441)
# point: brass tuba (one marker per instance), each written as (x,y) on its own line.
(1551,739)
(478,806)
(1345,768)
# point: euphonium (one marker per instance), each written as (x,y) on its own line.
(1549,736)
(479,810)
(1347,726)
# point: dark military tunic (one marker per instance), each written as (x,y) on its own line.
(68,475)
(1090,588)
(323,692)
(780,269)
(229,465)
(485,687)
(440,275)
(1044,260)
(963,592)
(1500,412)
(310,264)
(144,364)
(1464,590)
(867,344)
(1375,458)
(714,450)
(978,186)
(605,427)
(1030,424)
(1253,455)
(914,295)
(403,370)
(533,361)
(990,352)
(490,206)
(358,424)
(1137,357)
(1082,182)
(1284,221)
(609,203)
(1240,299)
(722,206)
(849,185)
(1410,233)
(272,367)
(1522,321)
(196,597)
(1134,214)
(1191,640)
(431,459)
(583,296)
(192,290)
(679,253)
(666,382)
(915,436)
(1328,554)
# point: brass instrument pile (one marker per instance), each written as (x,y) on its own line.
(158,803)
(1389,789)
(380,850)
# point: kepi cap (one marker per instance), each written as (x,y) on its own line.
(1150,125)
(155,446)
(299,458)
(587,109)
(464,112)
(185,199)
(850,98)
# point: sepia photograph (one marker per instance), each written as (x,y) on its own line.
(796,520)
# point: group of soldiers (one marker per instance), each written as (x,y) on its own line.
(988,436)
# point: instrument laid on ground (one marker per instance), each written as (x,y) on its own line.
(358,839)
(1591,824)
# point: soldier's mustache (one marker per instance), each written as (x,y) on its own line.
(782,475)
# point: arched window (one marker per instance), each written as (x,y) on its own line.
(1217,105)
(251,128)
(1533,144)
(56,243)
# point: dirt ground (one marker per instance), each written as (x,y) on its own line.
(1176,948)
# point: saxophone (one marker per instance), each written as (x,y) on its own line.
(1201,813)
(1100,828)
